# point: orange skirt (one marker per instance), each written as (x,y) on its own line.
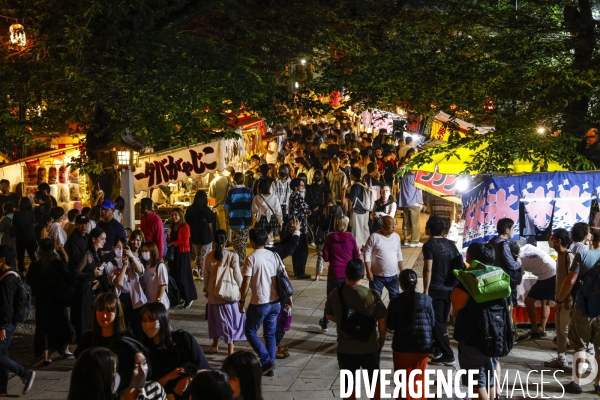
(410,361)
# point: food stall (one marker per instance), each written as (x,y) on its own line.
(52,167)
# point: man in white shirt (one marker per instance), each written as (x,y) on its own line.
(272,149)
(383,258)
(540,264)
(259,271)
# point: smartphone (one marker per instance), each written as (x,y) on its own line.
(125,247)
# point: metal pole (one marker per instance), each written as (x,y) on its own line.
(128,193)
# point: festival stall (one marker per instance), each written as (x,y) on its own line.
(536,202)
(52,167)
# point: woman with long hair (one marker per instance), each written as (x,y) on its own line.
(210,385)
(48,277)
(119,208)
(156,277)
(225,321)
(327,214)
(384,206)
(24,226)
(298,209)
(411,317)
(339,248)
(266,209)
(88,267)
(94,376)
(178,236)
(124,272)
(245,375)
(174,355)
(136,239)
(201,220)
(133,369)
(107,324)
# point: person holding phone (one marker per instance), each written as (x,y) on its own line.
(124,272)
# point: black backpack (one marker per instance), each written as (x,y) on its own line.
(22,302)
(354,324)
(496,336)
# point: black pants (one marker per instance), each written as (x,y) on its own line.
(300,256)
(332,283)
(82,308)
(441,308)
(31,247)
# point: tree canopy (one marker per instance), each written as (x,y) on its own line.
(175,69)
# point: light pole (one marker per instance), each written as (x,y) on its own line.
(127,159)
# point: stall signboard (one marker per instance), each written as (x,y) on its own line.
(563,198)
(442,185)
(170,167)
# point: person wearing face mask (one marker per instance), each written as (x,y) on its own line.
(156,276)
(245,375)
(281,189)
(133,371)
(107,324)
(299,211)
(124,272)
(85,273)
(94,375)
(47,278)
(175,356)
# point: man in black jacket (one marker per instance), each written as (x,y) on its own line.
(76,243)
(9,283)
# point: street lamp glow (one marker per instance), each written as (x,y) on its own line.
(302,61)
(17,35)
(462,185)
(541,130)
(296,85)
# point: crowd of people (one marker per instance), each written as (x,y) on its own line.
(109,290)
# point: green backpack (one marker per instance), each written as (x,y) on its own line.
(484,282)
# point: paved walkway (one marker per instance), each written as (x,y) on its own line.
(311,372)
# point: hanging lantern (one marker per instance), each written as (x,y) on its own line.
(17,35)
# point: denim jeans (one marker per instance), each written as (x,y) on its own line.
(265,315)
(389,282)
(6,364)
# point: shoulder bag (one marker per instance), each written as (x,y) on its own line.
(354,324)
(284,286)
(226,286)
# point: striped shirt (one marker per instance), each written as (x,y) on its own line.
(239,205)
(152,391)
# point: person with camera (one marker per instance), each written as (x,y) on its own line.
(355,351)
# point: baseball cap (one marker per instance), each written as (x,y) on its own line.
(82,219)
(108,205)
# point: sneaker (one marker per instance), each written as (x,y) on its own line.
(535,335)
(570,388)
(416,245)
(436,354)
(543,334)
(323,324)
(523,336)
(270,372)
(267,367)
(28,383)
(188,304)
(406,244)
(444,360)
(557,362)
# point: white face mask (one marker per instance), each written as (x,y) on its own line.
(116,383)
(146,255)
(119,252)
